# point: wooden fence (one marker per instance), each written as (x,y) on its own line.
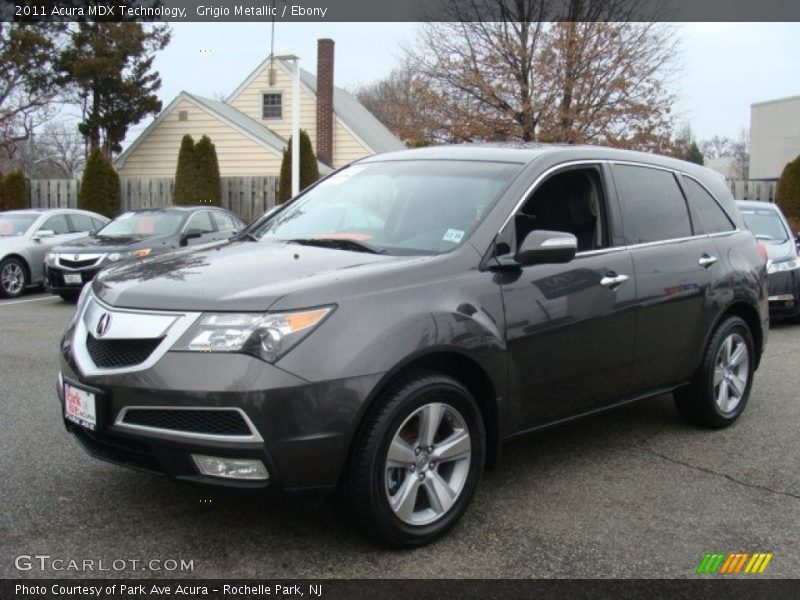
(749,189)
(248,197)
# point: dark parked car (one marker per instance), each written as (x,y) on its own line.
(462,296)
(134,235)
(768,224)
(27,235)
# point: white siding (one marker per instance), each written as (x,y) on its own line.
(774,136)
(346,148)
(238,155)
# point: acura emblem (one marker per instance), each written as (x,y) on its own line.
(103,324)
(76,257)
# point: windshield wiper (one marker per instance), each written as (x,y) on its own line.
(339,244)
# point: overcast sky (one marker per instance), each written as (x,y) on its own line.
(724,67)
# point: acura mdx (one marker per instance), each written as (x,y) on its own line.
(384,332)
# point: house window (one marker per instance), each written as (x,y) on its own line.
(272,105)
(183,115)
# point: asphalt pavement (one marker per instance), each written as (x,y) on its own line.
(632,493)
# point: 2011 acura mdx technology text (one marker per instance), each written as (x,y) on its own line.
(455,297)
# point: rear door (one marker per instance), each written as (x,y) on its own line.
(675,264)
(569,327)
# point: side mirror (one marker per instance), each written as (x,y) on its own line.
(43,234)
(190,234)
(547,247)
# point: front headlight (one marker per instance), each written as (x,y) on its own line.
(50,259)
(782,267)
(266,336)
(140,253)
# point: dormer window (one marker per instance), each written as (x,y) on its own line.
(271,105)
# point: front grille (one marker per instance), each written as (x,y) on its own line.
(120,353)
(77,264)
(215,422)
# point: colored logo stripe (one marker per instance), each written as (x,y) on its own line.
(734,562)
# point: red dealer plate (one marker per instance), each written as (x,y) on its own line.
(80,407)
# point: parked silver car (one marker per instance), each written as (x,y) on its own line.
(27,235)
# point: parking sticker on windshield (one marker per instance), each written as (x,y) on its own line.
(453,235)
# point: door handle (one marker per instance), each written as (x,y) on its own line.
(706,260)
(612,280)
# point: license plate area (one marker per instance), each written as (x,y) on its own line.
(82,406)
(73,278)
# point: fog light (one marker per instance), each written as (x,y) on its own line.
(231,468)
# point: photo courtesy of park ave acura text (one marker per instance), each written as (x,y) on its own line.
(435,299)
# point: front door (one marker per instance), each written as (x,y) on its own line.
(570,328)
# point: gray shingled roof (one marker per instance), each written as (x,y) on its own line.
(356,117)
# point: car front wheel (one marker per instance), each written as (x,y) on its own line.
(13,278)
(417,461)
(721,387)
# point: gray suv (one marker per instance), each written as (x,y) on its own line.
(457,297)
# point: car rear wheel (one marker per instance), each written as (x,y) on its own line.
(720,390)
(13,278)
(417,461)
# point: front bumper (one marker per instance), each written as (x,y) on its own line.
(303,429)
(54,279)
(784,294)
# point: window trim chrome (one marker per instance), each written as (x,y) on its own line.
(610,162)
(254,436)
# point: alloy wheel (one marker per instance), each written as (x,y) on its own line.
(731,372)
(427,464)
(12,279)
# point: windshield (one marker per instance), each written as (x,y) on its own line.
(408,207)
(765,224)
(15,224)
(143,224)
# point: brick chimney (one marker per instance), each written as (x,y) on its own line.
(325,101)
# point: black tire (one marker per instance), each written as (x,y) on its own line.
(366,487)
(13,278)
(698,403)
(71,297)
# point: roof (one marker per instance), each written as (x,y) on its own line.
(777,101)
(757,204)
(234,118)
(526,152)
(346,108)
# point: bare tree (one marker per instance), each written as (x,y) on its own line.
(28,92)
(56,151)
(587,73)
(725,147)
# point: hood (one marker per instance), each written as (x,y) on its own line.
(780,251)
(237,276)
(99,243)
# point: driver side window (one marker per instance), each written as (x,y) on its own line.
(571,201)
(57,224)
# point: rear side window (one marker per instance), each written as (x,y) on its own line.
(711,214)
(653,207)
